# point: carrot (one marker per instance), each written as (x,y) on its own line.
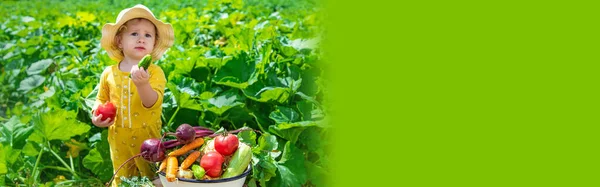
(190,160)
(188,147)
(172,168)
(163,165)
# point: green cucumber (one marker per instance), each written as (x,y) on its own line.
(239,161)
(144,63)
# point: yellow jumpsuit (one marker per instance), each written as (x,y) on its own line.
(133,123)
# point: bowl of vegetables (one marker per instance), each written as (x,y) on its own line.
(198,157)
(236,181)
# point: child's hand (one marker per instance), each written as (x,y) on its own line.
(97,120)
(139,75)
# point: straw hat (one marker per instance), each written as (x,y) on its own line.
(163,41)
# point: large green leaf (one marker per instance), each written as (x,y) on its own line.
(248,137)
(98,160)
(269,88)
(264,168)
(236,72)
(260,92)
(31,82)
(15,133)
(284,115)
(185,89)
(224,102)
(39,66)
(266,142)
(291,131)
(3,169)
(291,168)
(316,174)
(59,124)
(305,109)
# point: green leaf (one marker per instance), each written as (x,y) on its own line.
(316,174)
(31,149)
(11,155)
(291,131)
(262,120)
(98,159)
(224,102)
(31,82)
(3,169)
(300,44)
(291,167)
(264,169)
(15,133)
(39,66)
(59,124)
(305,108)
(266,142)
(259,92)
(284,115)
(248,137)
(185,89)
(236,72)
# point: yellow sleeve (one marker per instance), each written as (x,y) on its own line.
(103,88)
(157,82)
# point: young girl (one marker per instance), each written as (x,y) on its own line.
(138,98)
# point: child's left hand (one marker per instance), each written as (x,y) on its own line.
(139,75)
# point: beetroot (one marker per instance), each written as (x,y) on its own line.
(152,150)
(185,133)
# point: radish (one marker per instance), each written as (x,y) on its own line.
(152,150)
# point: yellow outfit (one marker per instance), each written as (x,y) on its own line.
(133,123)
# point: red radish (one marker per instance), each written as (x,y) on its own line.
(226,145)
(108,110)
(212,163)
(152,150)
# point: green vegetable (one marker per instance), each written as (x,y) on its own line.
(145,62)
(239,161)
(198,171)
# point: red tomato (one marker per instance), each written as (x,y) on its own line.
(212,163)
(108,110)
(226,145)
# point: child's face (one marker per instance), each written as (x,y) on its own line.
(137,39)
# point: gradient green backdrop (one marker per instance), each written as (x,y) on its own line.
(464,93)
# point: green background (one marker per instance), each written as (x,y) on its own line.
(464,93)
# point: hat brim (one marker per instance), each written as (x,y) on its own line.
(164,40)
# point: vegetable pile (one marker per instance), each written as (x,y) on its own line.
(197,153)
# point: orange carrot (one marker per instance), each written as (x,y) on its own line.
(163,165)
(172,168)
(188,147)
(190,160)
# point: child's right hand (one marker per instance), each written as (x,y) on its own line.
(97,120)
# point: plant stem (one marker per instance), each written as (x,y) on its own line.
(71,159)
(173,116)
(62,161)
(56,168)
(36,164)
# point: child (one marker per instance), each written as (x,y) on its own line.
(138,98)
